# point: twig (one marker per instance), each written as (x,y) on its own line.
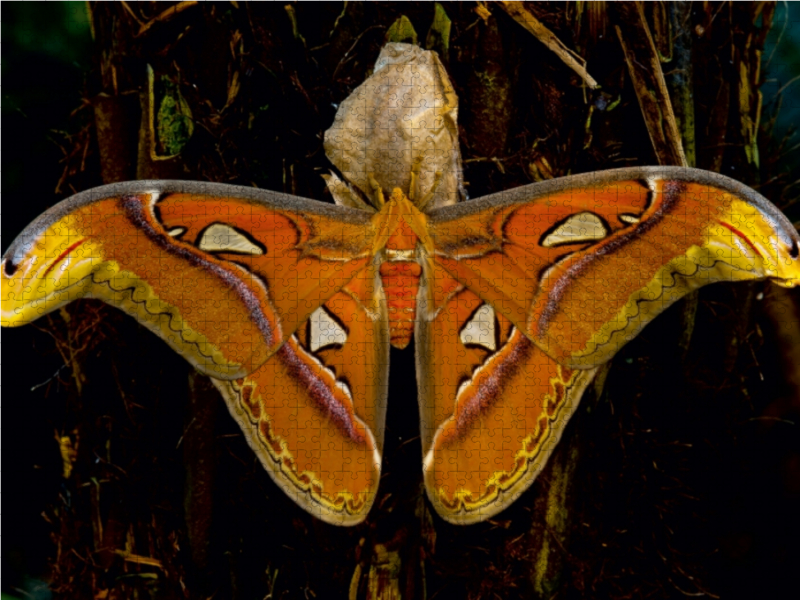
(167,14)
(780,35)
(787,84)
(525,18)
(129,10)
(644,67)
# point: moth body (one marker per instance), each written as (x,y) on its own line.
(400,270)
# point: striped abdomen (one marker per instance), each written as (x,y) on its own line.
(400,274)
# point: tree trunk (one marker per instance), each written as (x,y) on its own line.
(666,479)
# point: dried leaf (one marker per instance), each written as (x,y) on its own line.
(408,110)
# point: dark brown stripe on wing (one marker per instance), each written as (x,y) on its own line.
(144,219)
(670,196)
(307,373)
(501,368)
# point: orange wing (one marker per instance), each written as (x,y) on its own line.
(493,405)
(525,293)
(581,264)
(224,274)
(275,296)
(314,412)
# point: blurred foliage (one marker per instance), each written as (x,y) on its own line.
(46,48)
(60,31)
(781,63)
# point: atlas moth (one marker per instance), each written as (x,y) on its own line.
(290,305)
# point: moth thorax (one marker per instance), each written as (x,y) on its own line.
(400,273)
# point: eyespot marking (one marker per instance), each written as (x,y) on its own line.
(629,218)
(345,388)
(480,329)
(219,237)
(325,330)
(582,227)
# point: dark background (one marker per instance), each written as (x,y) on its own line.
(45,61)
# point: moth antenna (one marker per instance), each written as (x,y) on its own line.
(437,179)
(413,188)
(377,191)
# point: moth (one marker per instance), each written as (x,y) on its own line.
(291,305)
